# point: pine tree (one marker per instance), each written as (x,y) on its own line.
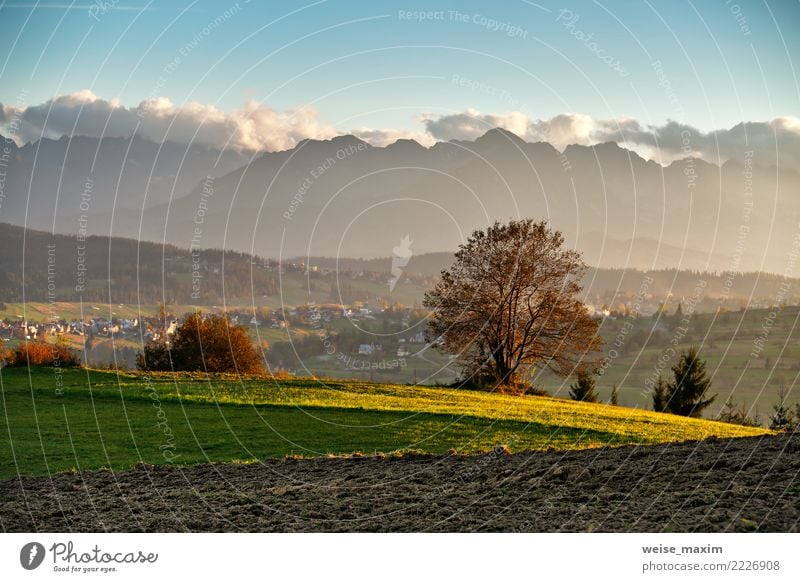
(614,396)
(584,389)
(688,390)
(782,419)
(661,395)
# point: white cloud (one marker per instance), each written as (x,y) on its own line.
(560,131)
(253,127)
(471,124)
(776,141)
(665,143)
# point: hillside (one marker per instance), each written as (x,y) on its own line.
(118,270)
(110,421)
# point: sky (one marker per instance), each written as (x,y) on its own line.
(271,73)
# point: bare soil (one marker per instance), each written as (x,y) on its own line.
(747,484)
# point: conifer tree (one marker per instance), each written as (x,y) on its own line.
(686,394)
(782,418)
(584,389)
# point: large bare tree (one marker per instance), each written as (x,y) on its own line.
(511,301)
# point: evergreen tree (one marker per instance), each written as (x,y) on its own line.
(782,419)
(661,394)
(584,389)
(614,396)
(687,392)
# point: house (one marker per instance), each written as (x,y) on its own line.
(417,338)
(130,324)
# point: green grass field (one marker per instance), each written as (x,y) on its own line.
(84,419)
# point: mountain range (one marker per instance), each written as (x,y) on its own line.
(346,198)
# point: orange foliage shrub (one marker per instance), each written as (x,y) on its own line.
(205,344)
(42,354)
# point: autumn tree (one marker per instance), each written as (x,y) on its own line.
(511,301)
(203,343)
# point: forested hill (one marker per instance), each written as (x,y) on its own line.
(39,266)
(612,286)
(120,270)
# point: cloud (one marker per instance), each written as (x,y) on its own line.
(257,127)
(471,124)
(776,141)
(253,127)
(560,130)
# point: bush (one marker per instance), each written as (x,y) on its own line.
(155,357)
(733,414)
(207,344)
(39,353)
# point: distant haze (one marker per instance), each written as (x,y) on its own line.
(343,197)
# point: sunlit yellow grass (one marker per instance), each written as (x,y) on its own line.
(631,424)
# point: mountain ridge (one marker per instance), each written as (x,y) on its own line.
(345,196)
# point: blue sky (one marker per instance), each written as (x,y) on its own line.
(368,64)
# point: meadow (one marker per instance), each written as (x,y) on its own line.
(751,354)
(77,419)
